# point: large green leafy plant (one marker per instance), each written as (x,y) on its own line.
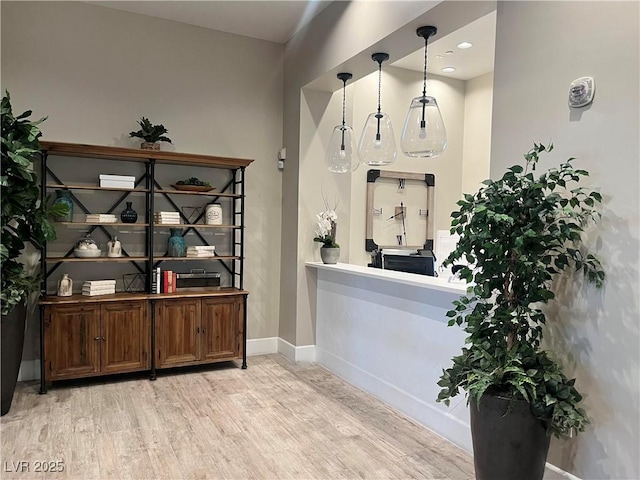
(517,234)
(24,218)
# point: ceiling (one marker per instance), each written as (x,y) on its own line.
(275,21)
(468,63)
(278,21)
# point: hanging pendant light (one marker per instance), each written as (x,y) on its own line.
(341,157)
(377,144)
(423,134)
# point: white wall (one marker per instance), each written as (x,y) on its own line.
(94,71)
(478,99)
(541,48)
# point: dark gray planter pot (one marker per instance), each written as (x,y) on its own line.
(12,341)
(507,447)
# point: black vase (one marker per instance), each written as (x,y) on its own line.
(507,447)
(129,215)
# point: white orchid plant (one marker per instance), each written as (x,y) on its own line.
(326,228)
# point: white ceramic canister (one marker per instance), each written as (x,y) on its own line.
(213,214)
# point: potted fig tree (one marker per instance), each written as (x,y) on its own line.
(24,222)
(517,234)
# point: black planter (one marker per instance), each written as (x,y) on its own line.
(507,447)
(12,342)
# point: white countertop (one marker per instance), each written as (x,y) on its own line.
(413,279)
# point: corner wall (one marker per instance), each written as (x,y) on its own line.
(541,48)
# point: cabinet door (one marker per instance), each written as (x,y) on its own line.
(177,325)
(219,328)
(72,341)
(125,337)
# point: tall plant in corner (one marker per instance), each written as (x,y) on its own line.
(24,218)
(517,234)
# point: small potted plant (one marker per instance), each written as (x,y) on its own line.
(326,234)
(151,134)
(517,234)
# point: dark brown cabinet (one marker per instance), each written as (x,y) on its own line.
(198,330)
(88,339)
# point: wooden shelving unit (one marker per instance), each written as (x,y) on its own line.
(86,336)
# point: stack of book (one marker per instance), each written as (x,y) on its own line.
(117,181)
(201,251)
(92,288)
(100,218)
(167,218)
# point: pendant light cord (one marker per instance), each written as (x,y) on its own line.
(379,115)
(344,96)
(423,124)
(424,85)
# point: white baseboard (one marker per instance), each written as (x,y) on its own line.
(262,346)
(560,473)
(29,370)
(305,353)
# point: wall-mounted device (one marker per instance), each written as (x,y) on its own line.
(282,154)
(581,92)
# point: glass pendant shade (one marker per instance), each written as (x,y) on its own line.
(377,145)
(423,134)
(341,156)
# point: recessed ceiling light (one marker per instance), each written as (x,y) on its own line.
(449,52)
(439,56)
(464,45)
(449,69)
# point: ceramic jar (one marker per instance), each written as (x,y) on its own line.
(213,214)
(176,246)
(65,286)
(63,197)
(129,215)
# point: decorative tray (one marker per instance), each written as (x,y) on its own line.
(193,188)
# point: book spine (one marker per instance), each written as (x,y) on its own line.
(174,278)
(158,281)
(165,281)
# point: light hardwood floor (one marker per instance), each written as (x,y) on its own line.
(274,420)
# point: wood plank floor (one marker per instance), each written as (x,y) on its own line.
(275,420)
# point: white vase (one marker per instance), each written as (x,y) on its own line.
(330,255)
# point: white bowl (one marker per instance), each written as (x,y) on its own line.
(87,253)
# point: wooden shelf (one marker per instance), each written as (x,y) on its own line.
(193,225)
(139,155)
(110,224)
(217,257)
(94,187)
(120,296)
(96,259)
(210,193)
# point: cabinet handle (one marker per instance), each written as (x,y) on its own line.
(204,330)
(197,330)
(98,338)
